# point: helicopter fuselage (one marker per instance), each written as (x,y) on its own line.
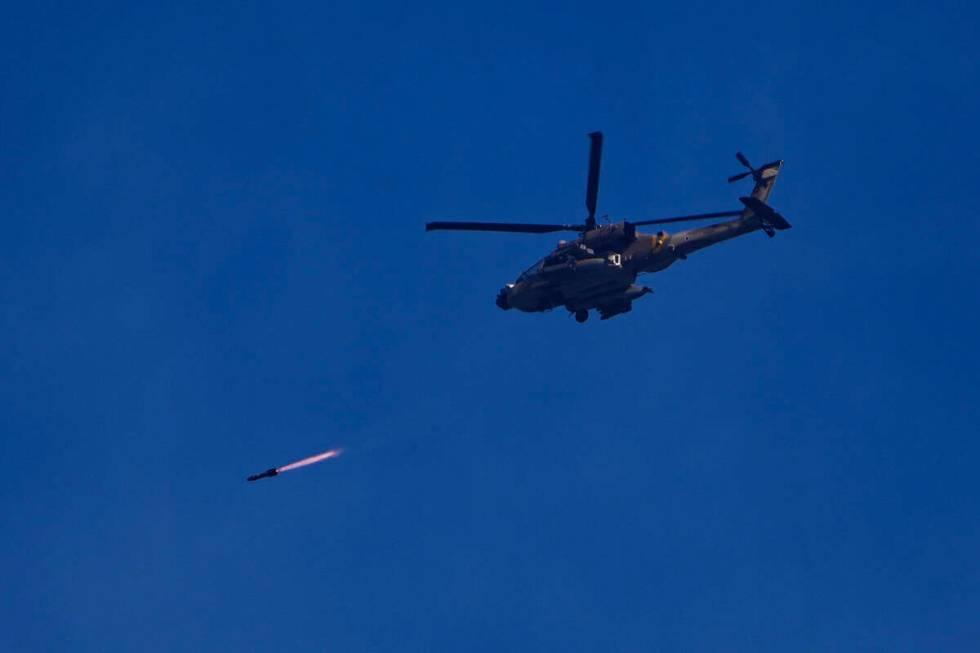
(598,270)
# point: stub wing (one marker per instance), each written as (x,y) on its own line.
(620,303)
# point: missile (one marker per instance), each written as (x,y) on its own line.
(276,471)
(269,473)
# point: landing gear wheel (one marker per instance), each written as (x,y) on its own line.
(581,316)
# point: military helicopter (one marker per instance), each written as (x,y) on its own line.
(597,270)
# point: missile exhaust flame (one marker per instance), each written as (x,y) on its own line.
(333,453)
(275,471)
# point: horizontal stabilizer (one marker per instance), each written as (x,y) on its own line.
(765,213)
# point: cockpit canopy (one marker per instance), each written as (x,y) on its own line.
(531,271)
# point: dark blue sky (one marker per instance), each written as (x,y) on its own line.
(213,261)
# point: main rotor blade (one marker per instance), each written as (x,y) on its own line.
(592,188)
(518,227)
(685,218)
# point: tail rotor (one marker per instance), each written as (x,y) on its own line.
(764,178)
(757,173)
(742,175)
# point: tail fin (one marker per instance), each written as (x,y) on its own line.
(765,179)
(763,176)
(755,204)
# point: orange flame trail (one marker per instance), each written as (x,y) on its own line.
(333,453)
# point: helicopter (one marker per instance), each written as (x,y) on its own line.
(598,270)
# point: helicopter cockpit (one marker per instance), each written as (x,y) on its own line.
(531,271)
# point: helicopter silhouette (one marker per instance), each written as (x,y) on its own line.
(598,270)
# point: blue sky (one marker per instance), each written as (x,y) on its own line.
(214,262)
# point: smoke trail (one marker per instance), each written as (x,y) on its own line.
(333,453)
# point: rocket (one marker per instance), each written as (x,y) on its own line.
(269,473)
(276,471)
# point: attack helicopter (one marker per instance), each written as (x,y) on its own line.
(598,270)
